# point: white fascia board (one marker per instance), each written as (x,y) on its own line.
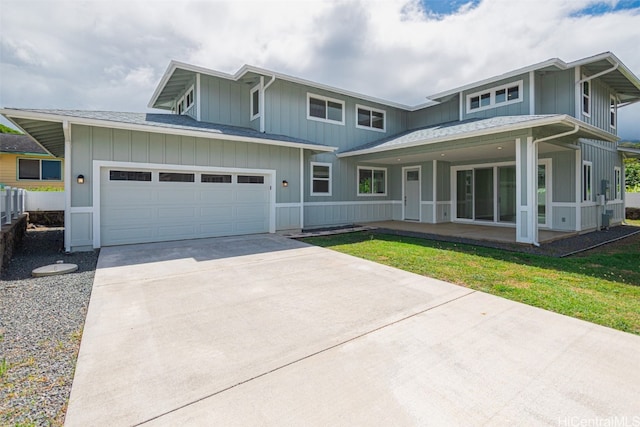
(159,129)
(555,62)
(559,119)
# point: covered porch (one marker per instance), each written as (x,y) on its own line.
(486,233)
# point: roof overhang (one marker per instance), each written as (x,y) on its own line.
(557,124)
(179,76)
(48,131)
(630,152)
(621,80)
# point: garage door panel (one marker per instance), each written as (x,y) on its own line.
(123,235)
(139,212)
(252,196)
(222,195)
(176,213)
(216,211)
(177,231)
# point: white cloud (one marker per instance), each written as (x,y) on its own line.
(111,54)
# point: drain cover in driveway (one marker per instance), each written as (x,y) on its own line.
(54,269)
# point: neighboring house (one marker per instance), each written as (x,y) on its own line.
(25,164)
(259,151)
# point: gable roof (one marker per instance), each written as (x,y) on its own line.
(19,144)
(620,78)
(46,127)
(476,128)
(179,74)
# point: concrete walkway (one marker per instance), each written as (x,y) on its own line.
(262,330)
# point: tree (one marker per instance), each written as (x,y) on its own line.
(7,129)
(632,175)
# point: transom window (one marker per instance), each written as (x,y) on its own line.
(255,102)
(370,118)
(177,177)
(40,170)
(129,176)
(495,97)
(586,182)
(320,179)
(215,178)
(586,97)
(325,109)
(372,181)
(250,179)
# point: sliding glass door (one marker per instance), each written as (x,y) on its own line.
(507,193)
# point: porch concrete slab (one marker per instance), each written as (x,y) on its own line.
(262,330)
(469,231)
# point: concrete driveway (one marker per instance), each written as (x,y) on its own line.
(262,330)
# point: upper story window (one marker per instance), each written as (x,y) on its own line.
(185,102)
(495,97)
(613,110)
(40,170)
(586,97)
(370,118)
(255,102)
(320,179)
(372,181)
(325,109)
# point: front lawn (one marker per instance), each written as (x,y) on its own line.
(601,286)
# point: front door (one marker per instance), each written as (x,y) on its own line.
(412,194)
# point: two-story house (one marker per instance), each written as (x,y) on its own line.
(259,151)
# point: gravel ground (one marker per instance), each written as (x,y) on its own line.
(41,322)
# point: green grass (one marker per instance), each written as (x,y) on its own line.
(601,286)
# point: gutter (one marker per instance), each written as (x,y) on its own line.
(534,197)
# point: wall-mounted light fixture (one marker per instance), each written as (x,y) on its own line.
(285,183)
(80,179)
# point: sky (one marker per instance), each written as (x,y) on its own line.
(110,55)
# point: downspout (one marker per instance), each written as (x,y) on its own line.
(263,89)
(66,129)
(534,172)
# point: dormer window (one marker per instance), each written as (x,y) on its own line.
(495,97)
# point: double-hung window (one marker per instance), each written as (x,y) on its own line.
(325,109)
(586,97)
(587,182)
(320,179)
(370,118)
(40,170)
(372,181)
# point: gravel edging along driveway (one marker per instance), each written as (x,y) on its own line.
(41,321)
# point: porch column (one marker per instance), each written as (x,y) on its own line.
(526,191)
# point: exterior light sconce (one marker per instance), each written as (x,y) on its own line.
(80,179)
(285,183)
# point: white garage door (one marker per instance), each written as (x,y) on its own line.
(139,206)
